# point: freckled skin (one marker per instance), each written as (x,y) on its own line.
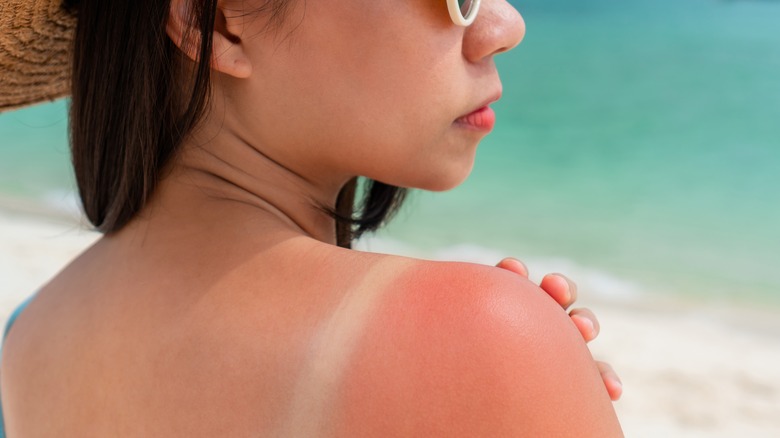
(463,350)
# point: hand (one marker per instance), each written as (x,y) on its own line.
(564,292)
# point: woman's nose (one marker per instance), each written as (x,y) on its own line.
(498,28)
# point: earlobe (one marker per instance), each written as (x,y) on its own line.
(228,55)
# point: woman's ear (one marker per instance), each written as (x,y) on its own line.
(228,51)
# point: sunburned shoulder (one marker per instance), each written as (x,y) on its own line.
(459,349)
(461,293)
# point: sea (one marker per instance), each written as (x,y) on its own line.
(636,150)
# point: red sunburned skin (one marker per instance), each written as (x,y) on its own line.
(482,119)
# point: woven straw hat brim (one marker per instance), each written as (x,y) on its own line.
(36,38)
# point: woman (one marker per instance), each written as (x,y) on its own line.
(223,299)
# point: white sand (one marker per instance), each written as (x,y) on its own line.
(33,249)
(693,373)
(688,371)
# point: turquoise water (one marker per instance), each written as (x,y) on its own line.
(637,144)
(34,156)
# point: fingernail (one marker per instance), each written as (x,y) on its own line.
(525,268)
(568,288)
(589,324)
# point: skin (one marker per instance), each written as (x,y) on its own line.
(238,316)
(564,292)
(467,360)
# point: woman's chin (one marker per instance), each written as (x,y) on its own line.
(445,181)
(434,176)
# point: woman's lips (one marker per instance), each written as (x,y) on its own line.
(482,119)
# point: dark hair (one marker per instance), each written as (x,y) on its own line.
(129,114)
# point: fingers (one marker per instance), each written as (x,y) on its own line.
(611,380)
(586,323)
(514,265)
(560,288)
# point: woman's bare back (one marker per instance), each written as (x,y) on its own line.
(305,339)
(138,347)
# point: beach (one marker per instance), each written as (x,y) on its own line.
(688,369)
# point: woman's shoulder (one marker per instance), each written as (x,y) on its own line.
(449,292)
(460,349)
(456,286)
(422,296)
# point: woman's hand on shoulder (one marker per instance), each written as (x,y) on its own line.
(564,291)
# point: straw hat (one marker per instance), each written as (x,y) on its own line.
(35,51)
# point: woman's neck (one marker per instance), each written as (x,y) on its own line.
(227,182)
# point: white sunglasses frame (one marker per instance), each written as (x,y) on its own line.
(457,16)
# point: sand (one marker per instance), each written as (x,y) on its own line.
(688,369)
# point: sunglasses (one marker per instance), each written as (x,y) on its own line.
(463,12)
